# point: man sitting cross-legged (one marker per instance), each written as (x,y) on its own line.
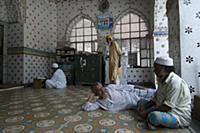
(171,105)
(116,97)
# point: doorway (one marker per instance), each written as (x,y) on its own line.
(1,53)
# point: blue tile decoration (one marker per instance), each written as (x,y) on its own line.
(188,30)
(198,15)
(189,59)
(187,2)
(192,89)
(198,44)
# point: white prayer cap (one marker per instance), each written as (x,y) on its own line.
(54,65)
(164,60)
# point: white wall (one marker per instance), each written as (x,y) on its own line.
(68,11)
(189,40)
(184,22)
(161,47)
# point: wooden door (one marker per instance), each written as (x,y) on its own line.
(88,68)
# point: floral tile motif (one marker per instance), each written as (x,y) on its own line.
(46,116)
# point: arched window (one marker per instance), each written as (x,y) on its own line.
(84,36)
(131,32)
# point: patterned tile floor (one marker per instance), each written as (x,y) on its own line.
(59,111)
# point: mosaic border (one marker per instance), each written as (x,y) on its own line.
(29,51)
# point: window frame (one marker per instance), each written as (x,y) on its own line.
(130,38)
(92,36)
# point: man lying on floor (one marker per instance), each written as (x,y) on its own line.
(116,97)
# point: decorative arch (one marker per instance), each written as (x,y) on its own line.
(134,11)
(73,22)
(16,10)
(136,42)
(21,7)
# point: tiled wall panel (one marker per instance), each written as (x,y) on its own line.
(189,40)
(15,35)
(40,27)
(68,11)
(138,75)
(15,69)
(184,41)
(161,47)
(36,66)
(39,33)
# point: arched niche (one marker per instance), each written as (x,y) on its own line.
(134,11)
(16,11)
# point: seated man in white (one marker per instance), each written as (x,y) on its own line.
(58,80)
(116,97)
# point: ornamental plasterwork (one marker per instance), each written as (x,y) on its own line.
(16,11)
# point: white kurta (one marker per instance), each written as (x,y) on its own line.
(174,92)
(58,80)
(114,57)
(120,97)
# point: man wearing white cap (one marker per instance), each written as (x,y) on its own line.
(58,80)
(171,105)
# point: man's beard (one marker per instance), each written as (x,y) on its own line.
(159,80)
